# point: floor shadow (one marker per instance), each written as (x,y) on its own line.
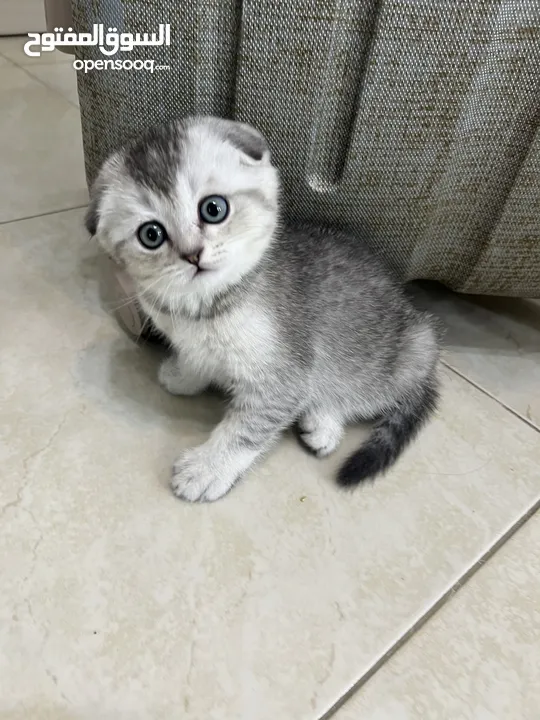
(122,376)
(503,325)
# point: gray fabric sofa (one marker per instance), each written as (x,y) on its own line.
(413,122)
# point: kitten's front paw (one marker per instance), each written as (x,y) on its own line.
(194,480)
(177,380)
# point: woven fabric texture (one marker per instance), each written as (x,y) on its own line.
(414,122)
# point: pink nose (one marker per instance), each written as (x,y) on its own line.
(193,258)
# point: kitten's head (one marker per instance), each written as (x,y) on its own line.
(187,208)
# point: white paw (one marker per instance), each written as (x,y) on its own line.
(195,480)
(176,380)
(322,435)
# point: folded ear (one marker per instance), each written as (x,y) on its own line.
(97,191)
(91,219)
(245,138)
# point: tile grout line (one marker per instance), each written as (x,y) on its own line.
(13,63)
(34,77)
(493,397)
(44,214)
(433,609)
(24,36)
(57,92)
(456,586)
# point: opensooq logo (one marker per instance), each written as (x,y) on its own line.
(109,42)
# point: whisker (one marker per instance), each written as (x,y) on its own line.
(174,274)
(145,323)
(135,296)
(143,328)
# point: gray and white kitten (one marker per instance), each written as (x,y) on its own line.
(298,325)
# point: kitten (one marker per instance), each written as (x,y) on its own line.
(298,325)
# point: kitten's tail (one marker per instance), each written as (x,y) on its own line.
(390,436)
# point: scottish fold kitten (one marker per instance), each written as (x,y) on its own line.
(298,325)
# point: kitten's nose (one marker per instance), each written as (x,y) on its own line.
(193,258)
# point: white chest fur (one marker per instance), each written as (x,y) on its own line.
(231,348)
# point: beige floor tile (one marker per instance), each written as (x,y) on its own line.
(496,343)
(119,601)
(478,657)
(13,49)
(42,166)
(62,78)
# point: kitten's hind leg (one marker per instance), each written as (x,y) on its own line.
(178,379)
(320,431)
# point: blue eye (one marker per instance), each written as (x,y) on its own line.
(213,209)
(152,235)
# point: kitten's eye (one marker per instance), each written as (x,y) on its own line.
(152,235)
(213,209)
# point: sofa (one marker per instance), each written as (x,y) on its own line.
(413,122)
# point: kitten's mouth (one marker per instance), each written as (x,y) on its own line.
(200,271)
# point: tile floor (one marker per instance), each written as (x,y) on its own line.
(410,599)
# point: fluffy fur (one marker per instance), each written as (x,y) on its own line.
(298,325)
